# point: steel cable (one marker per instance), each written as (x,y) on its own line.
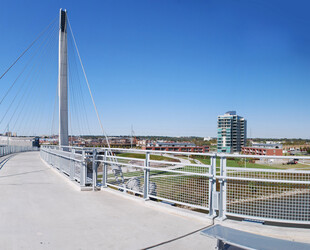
(91,95)
(79,92)
(41,46)
(27,48)
(33,81)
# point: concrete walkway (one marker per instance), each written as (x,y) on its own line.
(41,210)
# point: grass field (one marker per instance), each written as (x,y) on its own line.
(296,166)
(142,156)
(237,162)
(240,163)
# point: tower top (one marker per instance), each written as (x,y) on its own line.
(63,20)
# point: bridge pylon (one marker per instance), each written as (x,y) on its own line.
(63,80)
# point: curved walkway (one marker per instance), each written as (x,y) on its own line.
(41,210)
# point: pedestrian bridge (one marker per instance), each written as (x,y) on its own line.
(42,209)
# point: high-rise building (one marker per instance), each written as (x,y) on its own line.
(231,132)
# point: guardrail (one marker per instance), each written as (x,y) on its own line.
(7,149)
(280,195)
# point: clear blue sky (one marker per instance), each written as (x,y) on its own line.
(171,67)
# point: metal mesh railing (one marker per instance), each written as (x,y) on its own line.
(183,183)
(174,182)
(277,195)
(131,177)
(68,162)
(188,189)
(257,193)
(269,174)
(77,170)
(7,149)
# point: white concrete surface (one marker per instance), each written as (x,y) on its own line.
(40,210)
(279,232)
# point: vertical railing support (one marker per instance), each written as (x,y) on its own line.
(222,202)
(72,165)
(94,167)
(146,176)
(104,169)
(51,158)
(212,187)
(83,170)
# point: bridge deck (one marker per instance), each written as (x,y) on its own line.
(39,210)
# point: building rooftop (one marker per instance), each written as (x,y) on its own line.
(264,145)
(231,113)
(176,144)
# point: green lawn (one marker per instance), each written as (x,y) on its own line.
(204,161)
(238,163)
(142,156)
(187,158)
(193,169)
(296,166)
(241,163)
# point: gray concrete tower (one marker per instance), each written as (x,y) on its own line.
(63,80)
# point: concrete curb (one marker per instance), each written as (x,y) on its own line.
(285,233)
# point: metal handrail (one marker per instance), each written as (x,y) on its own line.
(242,192)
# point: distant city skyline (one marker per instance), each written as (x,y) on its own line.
(171,67)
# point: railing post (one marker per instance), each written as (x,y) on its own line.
(146,176)
(72,165)
(94,167)
(222,201)
(59,160)
(52,159)
(212,187)
(83,172)
(104,170)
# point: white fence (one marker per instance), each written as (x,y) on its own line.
(177,178)
(6,150)
(273,195)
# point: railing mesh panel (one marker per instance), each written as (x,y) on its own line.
(180,187)
(130,178)
(276,199)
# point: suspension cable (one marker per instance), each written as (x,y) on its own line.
(12,85)
(27,48)
(54,111)
(79,92)
(41,108)
(34,75)
(91,95)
